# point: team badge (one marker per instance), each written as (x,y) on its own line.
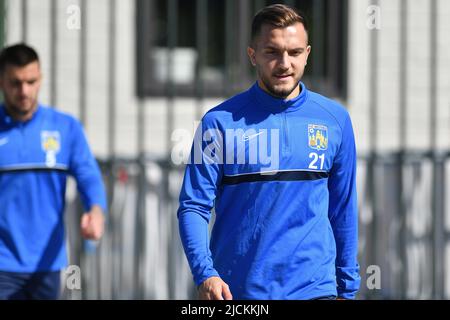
(317,137)
(50,144)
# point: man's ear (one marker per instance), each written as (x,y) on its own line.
(251,54)
(308,51)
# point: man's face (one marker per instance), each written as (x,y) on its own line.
(20,86)
(280,56)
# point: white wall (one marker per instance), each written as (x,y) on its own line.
(155,109)
(418,66)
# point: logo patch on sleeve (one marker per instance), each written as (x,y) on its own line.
(317,137)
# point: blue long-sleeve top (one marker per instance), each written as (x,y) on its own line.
(35,158)
(286,214)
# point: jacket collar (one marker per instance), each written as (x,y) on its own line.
(6,119)
(276,105)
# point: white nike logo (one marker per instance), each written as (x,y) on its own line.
(4,140)
(246,137)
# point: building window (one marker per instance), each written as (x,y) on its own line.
(198,47)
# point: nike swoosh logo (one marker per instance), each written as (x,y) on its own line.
(246,138)
(3,141)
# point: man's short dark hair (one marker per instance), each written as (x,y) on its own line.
(279,16)
(18,55)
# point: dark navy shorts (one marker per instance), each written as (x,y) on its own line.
(325,298)
(29,286)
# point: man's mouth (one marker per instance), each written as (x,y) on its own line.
(283,76)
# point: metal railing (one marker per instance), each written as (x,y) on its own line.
(403,203)
(140,256)
(403,209)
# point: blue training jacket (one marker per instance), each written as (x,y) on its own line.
(35,158)
(286,214)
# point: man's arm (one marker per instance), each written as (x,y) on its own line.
(202,177)
(86,172)
(343,214)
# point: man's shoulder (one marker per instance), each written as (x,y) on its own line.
(57,115)
(331,106)
(225,110)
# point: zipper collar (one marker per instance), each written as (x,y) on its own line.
(7,120)
(277,105)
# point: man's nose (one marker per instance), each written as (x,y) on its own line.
(23,88)
(284,60)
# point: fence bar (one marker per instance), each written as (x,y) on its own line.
(317,43)
(243,15)
(433,72)
(53,52)
(373,114)
(229,47)
(373,87)
(112,80)
(24,19)
(172,41)
(2,25)
(83,63)
(437,197)
(334,42)
(142,6)
(403,144)
(202,49)
(343,70)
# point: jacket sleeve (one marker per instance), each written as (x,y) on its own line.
(84,168)
(343,214)
(202,177)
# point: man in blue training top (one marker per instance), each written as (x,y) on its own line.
(39,147)
(277,163)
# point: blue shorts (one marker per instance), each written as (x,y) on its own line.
(29,286)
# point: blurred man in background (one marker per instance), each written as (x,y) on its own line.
(39,147)
(288,232)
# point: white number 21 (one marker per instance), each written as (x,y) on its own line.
(315,157)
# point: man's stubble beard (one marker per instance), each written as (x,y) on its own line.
(279,93)
(15,110)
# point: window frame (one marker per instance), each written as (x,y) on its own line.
(328,77)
